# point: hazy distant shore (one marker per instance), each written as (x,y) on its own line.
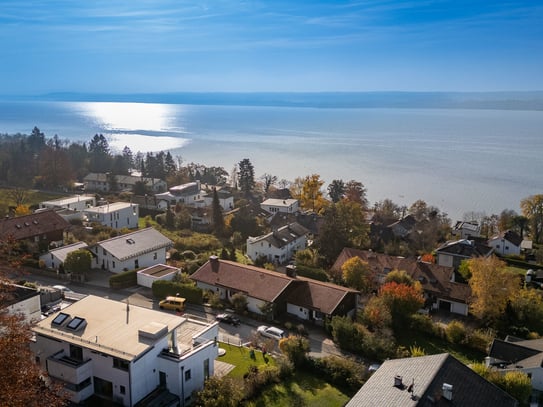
(509,100)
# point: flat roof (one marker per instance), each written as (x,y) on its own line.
(69,200)
(111,329)
(159,270)
(114,206)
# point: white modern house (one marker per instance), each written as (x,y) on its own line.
(21,300)
(142,248)
(101,182)
(273,205)
(226,199)
(123,353)
(280,245)
(76,203)
(159,272)
(466,230)
(116,215)
(189,194)
(53,259)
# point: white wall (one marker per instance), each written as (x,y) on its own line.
(459,308)
(29,308)
(114,265)
(300,312)
(444,260)
(264,248)
(504,247)
(146,280)
(116,218)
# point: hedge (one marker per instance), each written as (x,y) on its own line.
(191,293)
(124,279)
(312,272)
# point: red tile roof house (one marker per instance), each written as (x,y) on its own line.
(42,228)
(440,289)
(304,298)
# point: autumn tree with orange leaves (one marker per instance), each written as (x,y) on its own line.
(402,300)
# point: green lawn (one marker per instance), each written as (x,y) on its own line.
(31,198)
(302,389)
(433,345)
(240,357)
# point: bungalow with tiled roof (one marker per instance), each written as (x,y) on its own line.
(506,243)
(42,228)
(55,258)
(101,182)
(301,297)
(452,253)
(280,245)
(433,380)
(440,289)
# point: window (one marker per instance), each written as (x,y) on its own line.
(120,364)
(122,389)
(154,256)
(113,264)
(187,375)
(104,252)
(206,368)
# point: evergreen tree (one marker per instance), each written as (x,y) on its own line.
(246,176)
(218,219)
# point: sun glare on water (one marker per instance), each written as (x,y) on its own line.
(124,123)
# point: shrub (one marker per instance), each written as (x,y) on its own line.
(455,332)
(314,273)
(342,372)
(295,348)
(480,339)
(424,323)
(191,293)
(124,279)
(239,302)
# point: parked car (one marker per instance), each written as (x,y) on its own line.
(62,289)
(173,303)
(271,332)
(228,318)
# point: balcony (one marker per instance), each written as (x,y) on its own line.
(68,369)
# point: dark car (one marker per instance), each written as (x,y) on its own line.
(228,318)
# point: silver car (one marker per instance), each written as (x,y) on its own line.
(271,332)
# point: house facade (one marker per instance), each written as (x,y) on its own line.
(143,248)
(226,199)
(189,194)
(55,258)
(300,297)
(101,183)
(20,300)
(76,203)
(280,245)
(274,206)
(506,243)
(126,356)
(452,253)
(466,230)
(44,228)
(116,215)
(441,292)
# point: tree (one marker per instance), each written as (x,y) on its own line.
(492,286)
(532,209)
(376,315)
(402,300)
(295,348)
(358,274)
(527,310)
(239,302)
(386,212)
(399,277)
(356,192)
(99,154)
(218,219)
(336,190)
(78,262)
(311,195)
(246,176)
(220,392)
(518,384)
(268,181)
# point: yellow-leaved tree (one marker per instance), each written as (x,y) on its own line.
(492,286)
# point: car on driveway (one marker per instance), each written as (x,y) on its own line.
(228,318)
(271,332)
(62,288)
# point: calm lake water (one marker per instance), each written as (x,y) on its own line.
(458,160)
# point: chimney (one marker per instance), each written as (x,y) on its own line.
(291,270)
(175,343)
(398,381)
(447,391)
(214,261)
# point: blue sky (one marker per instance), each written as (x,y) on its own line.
(293,45)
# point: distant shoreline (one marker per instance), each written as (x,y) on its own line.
(507,100)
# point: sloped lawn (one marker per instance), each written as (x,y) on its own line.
(303,389)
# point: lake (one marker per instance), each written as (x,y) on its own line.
(460,160)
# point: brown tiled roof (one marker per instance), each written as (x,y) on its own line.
(433,278)
(428,374)
(317,295)
(36,224)
(254,281)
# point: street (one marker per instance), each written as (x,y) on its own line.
(320,344)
